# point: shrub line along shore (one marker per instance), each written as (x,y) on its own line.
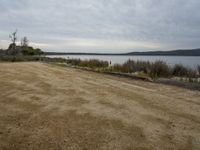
(158,71)
(167,81)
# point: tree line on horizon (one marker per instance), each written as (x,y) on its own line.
(20,50)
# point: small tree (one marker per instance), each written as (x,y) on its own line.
(24,42)
(12,46)
(13,37)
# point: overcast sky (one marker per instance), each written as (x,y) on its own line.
(102,25)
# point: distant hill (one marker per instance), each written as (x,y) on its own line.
(188,52)
(184,52)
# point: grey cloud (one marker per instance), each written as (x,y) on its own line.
(170,24)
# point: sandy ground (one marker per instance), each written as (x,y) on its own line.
(49,107)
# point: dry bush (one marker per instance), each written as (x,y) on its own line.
(160,69)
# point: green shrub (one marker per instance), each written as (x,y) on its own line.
(179,70)
(19,58)
(129,66)
(132,66)
(94,63)
(30,51)
(143,66)
(117,68)
(73,62)
(198,69)
(160,69)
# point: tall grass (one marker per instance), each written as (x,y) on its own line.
(156,69)
(133,66)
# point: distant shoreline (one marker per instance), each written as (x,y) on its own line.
(91,54)
(189,52)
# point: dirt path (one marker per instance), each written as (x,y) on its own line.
(49,107)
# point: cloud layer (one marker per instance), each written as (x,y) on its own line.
(102,25)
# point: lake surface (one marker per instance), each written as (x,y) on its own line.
(189,61)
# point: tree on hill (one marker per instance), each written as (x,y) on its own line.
(23,49)
(31,51)
(13,37)
(12,49)
(24,42)
(28,50)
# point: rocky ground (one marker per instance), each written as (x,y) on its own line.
(44,107)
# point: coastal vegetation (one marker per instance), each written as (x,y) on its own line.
(153,70)
(23,49)
(157,69)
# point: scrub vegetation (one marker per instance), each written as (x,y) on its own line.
(153,70)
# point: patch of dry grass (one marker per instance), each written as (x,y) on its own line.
(49,107)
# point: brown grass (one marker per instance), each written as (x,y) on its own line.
(49,107)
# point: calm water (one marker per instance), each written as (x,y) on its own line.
(189,61)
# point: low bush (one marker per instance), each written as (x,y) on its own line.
(179,70)
(198,70)
(132,66)
(129,66)
(154,70)
(30,51)
(93,63)
(55,60)
(117,68)
(73,62)
(19,58)
(160,69)
(143,66)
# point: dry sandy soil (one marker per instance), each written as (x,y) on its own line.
(43,106)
